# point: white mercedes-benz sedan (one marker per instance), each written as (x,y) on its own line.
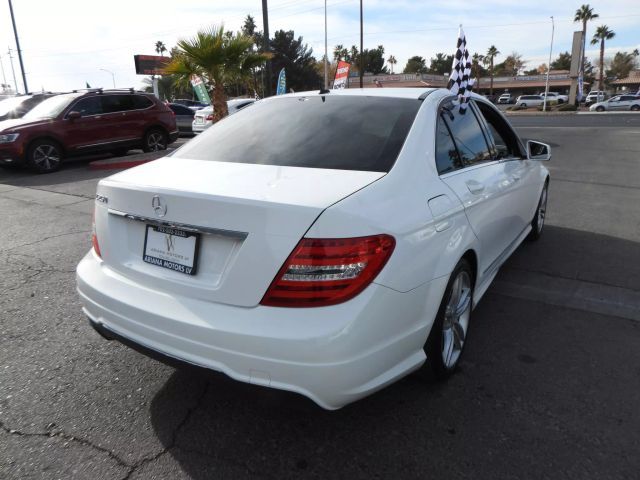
(324,243)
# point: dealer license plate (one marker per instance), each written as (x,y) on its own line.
(171,248)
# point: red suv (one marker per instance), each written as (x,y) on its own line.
(86,122)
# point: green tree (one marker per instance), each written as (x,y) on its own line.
(374,60)
(296,58)
(490,56)
(218,59)
(511,65)
(477,70)
(249,27)
(622,64)
(441,64)
(416,64)
(563,62)
(602,34)
(392,61)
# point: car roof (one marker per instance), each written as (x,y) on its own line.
(370,92)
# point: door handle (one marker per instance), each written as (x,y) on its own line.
(475,187)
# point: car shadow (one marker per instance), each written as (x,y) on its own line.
(523,392)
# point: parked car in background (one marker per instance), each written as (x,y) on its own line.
(595,96)
(557,97)
(203,118)
(619,102)
(306,244)
(506,98)
(84,122)
(184,118)
(16,107)
(193,104)
(529,100)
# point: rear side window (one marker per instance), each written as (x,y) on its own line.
(447,158)
(116,103)
(88,106)
(467,135)
(320,131)
(140,102)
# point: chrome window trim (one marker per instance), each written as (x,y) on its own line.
(180,226)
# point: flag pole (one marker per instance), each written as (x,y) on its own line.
(546,87)
(326,55)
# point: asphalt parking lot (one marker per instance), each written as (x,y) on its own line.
(549,386)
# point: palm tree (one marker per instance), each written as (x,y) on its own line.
(477,60)
(160,48)
(584,14)
(491,54)
(392,61)
(602,33)
(219,59)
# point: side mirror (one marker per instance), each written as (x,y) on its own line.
(538,151)
(73,115)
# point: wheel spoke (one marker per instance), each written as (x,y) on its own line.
(448,343)
(463,304)
(458,335)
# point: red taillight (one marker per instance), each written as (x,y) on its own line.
(321,272)
(209,118)
(94,236)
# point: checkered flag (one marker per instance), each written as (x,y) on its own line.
(460,81)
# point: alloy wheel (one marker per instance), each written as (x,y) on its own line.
(46,157)
(542,210)
(155,141)
(456,319)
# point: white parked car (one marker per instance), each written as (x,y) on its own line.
(203,118)
(506,98)
(556,97)
(595,96)
(530,100)
(619,102)
(326,244)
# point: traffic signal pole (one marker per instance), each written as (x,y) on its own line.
(15,32)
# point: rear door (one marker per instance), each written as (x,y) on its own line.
(478,179)
(119,118)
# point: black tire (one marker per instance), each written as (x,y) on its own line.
(119,152)
(155,140)
(560,101)
(537,223)
(523,105)
(439,336)
(44,156)
(599,109)
(635,108)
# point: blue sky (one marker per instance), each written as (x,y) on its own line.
(66,42)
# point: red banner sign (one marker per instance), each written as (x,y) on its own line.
(342,75)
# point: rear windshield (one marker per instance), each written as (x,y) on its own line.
(338,132)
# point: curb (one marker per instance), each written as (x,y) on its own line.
(111,164)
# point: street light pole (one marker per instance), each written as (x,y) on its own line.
(113,77)
(265,22)
(15,83)
(361,48)
(326,55)
(546,87)
(15,32)
(4,78)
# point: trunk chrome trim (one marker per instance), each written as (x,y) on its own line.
(180,226)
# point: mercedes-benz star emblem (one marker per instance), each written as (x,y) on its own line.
(159,206)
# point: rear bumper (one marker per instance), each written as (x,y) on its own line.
(200,127)
(333,355)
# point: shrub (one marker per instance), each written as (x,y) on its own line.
(567,107)
(515,108)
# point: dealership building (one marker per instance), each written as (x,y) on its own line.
(559,81)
